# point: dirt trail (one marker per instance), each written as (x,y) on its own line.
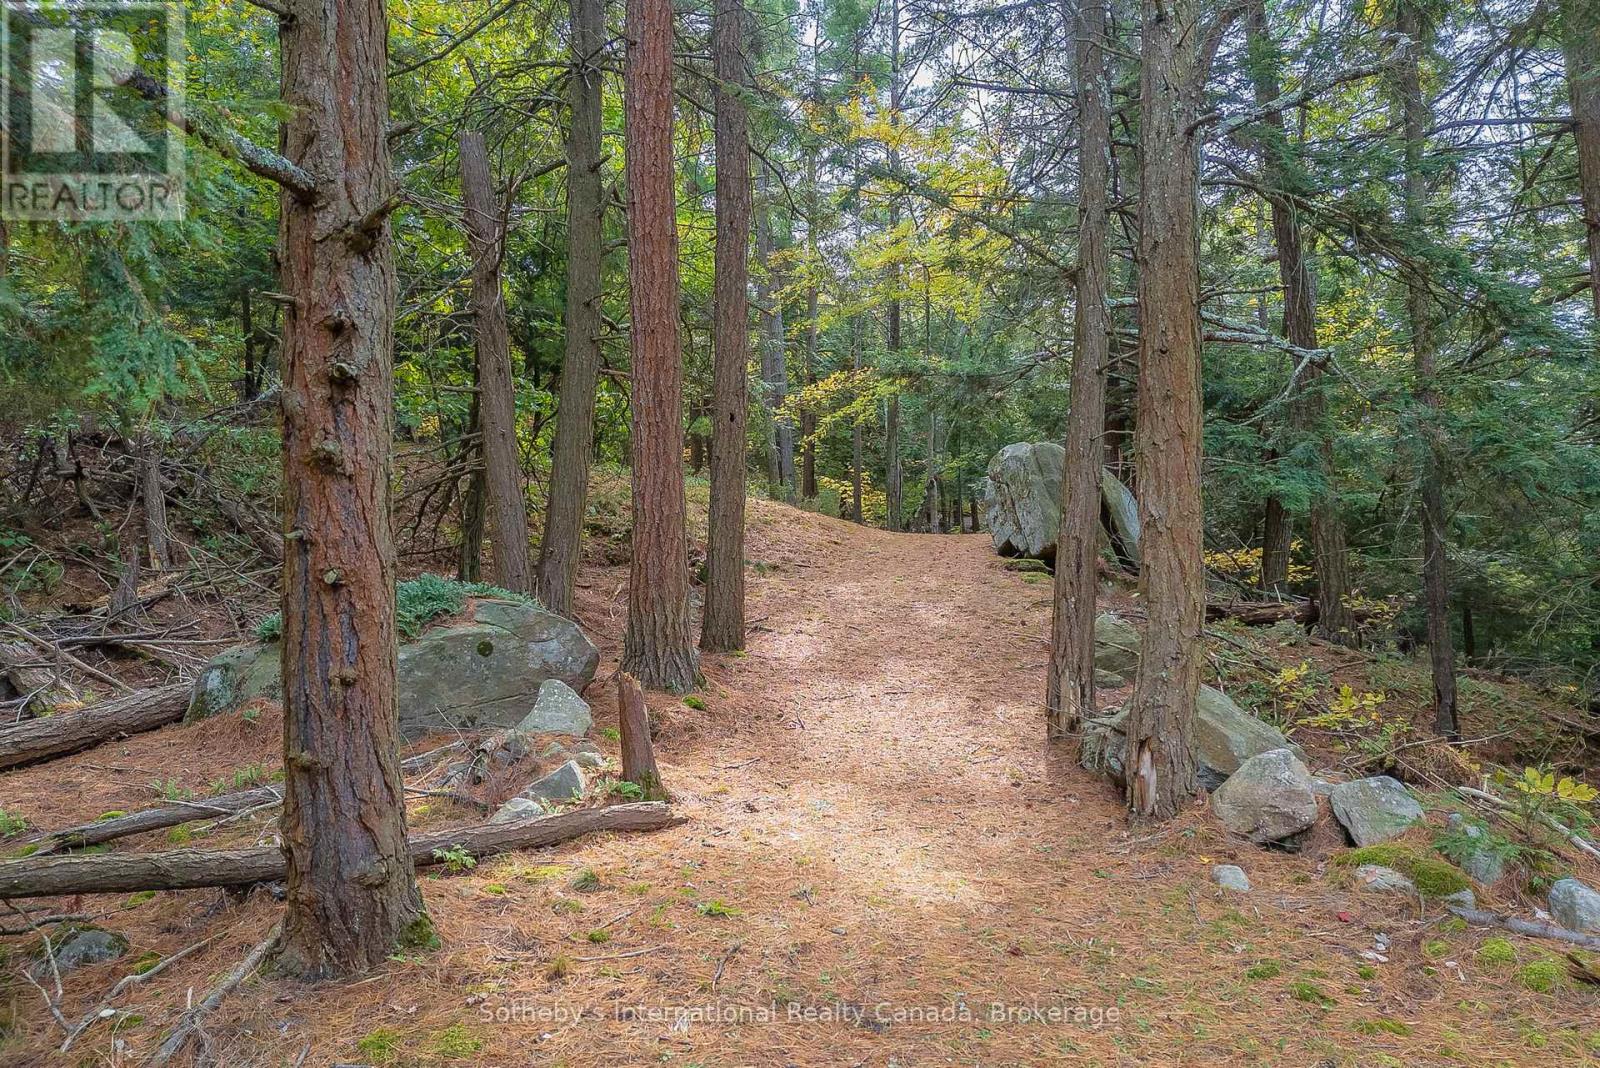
(885,864)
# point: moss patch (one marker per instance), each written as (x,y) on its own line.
(419,934)
(418,602)
(1433,877)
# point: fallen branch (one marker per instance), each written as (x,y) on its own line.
(34,740)
(156,819)
(186,1026)
(1577,840)
(67,658)
(188,869)
(104,1009)
(1531,928)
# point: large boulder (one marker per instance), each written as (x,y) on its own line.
(1268,799)
(1374,810)
(1225,735)
(482,669)
(1023,498)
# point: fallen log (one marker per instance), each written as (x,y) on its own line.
(188,869)
(34,740)
(164,816)
(1257,614)
(1530,928)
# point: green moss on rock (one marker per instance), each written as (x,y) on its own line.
(1434,878)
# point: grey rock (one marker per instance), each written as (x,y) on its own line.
(1023,498)
(1231,877)
(473,673)
(1485,864)
(1022,494)
(1124,512)
(1464,899)
(1116,647)
(1374,810)
(76,945)
(1225,735)
(557,710)
(1384,880)
(518,809)
(1109,680)
(563,784)
(1575,906)
(592,761)
(1268,798)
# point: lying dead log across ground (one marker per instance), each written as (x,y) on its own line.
(34,740)
(1257,613)
(188,869)
(164,816)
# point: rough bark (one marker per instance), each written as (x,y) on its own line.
(856,443)
(722,623)
(1276,536)
(893,474)
(1418,117)
(1308,413)
(1581,45)
(189,869)
(1160,729)
(658,647)
(469,561)
(350,892)
(638,751)
(1069,679)
(155,504)
(560,549)
(497,386)
(774,360)
(48,737)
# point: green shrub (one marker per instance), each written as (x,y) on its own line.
(418,602)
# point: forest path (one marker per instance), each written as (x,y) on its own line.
(884,863)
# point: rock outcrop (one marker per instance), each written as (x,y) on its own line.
(1023,499)
(479,670)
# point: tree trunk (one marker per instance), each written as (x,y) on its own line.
(1581,45)
(638,750)
(351,893)
(561,547)
(191,869)
(155,504)
(935,506)
(1276,536)
(252,381)
(722,622)
(658,648)
(1160,729)
(893,477)
(497,387)
(856,444)
(1069,679)
(1309,409)
(1418,118)
(469,562)
(48,737)
(774,361)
